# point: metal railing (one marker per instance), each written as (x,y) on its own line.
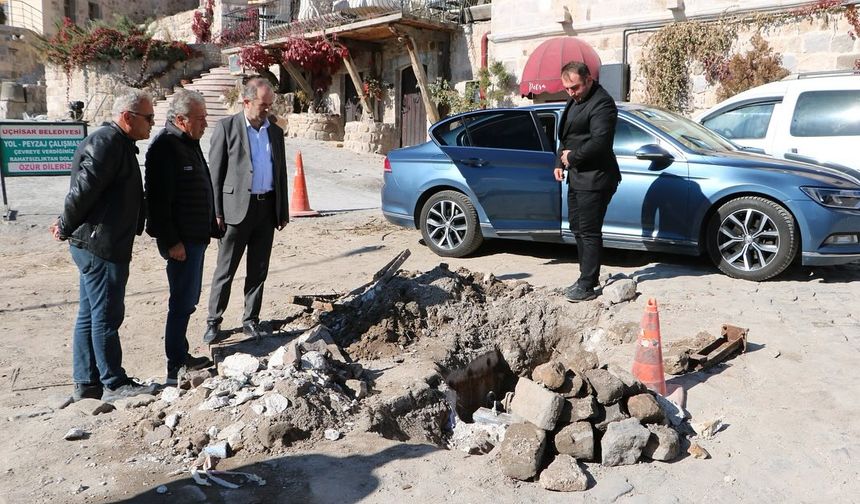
(24,15)
(285,18)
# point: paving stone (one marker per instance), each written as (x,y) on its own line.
(573,386)
(645,408)
(549,374)
(522,450)
(632,385)
(609,489)
(576,440)
(664,444)
(623,442)
(536,404)
(579,360)
(608,388)
(564,475)
(577,409)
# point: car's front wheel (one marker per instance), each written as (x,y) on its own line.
(752,238)
(449,224)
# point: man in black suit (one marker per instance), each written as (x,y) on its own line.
(249,177)
(586,134)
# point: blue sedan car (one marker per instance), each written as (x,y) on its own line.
(684,189)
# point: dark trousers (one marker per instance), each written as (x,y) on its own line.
(185,279)
(256,233)
(96,350)
(586,210)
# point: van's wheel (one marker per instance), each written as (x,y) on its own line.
(449,224)
(752,238)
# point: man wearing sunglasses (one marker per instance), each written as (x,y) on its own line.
(102,213)
(586,132)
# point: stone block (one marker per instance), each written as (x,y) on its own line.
(564,475)
(644,407)
(608,388)
(623,442)
(620,291)
(522,451)
(579,360)
(609,414)
(816,42)
(632,385)
(578,409)
(536,404)
(663,444)
(576,440)
(841,43)
(239,365)
(549,374)
(12,92)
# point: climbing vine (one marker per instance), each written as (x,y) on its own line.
(673,50)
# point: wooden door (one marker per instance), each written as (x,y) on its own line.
(413,117)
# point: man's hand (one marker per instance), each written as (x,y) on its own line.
(564,160)
(55,230)
(221,225)
(559,174)
(177,252)
(282,225)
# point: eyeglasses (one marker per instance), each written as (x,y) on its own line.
(149,117)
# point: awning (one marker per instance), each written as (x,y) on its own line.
(542,73)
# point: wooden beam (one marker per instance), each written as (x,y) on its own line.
(405,35)
(297,76)
(359,86)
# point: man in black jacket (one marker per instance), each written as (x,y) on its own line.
(587,130)
(103,212)
(181,218)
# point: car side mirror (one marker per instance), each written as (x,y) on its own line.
(653,152)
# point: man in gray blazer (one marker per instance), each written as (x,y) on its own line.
(249,177)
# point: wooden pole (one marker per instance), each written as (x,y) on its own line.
(359,86)
(300,79)
(403,35)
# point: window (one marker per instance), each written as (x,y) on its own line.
(629,138)
(504,130)
(827,113)
(508,129)
(69,9)
(95,10)
(547,126)
(750,121)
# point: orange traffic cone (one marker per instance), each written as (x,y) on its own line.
(299,204)
(648,361)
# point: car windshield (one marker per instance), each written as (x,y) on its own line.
(691,135)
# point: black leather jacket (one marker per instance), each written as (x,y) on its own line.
(104,208)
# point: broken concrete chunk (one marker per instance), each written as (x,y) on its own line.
(707,429)
(476,438)
(92,406)
(609,414)
(172,420)
(170,394)
(573,386)
(239,365)
(576,440)
(645,408)
(487,416)
(664,444)
(522,451)
(357,387)
(75,434)
(579,360)
(619,291)
(623,442)
(275,404)
(632,385)
(549,374)
(674,413)
(564,475)
(314,360)
(536,404)
(608,388)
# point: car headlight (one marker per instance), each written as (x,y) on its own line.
(834,198)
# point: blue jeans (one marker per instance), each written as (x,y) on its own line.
(186,280)
(96,350)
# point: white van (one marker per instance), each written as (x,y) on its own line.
(802,117)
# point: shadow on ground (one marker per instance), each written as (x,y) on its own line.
(302,478)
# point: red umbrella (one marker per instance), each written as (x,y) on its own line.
(542,73)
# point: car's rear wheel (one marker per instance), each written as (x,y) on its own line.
(449,224)
(752,238)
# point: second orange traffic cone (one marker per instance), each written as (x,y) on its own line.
(648,361)
(299,204)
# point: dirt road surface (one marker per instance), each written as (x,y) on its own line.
(789,404)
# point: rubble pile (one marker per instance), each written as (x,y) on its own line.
(303,390)
(574,410)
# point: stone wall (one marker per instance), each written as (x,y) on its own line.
(17,99)
(97,85)
(373,137)
(175,27)
(315,126)
(19,58)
